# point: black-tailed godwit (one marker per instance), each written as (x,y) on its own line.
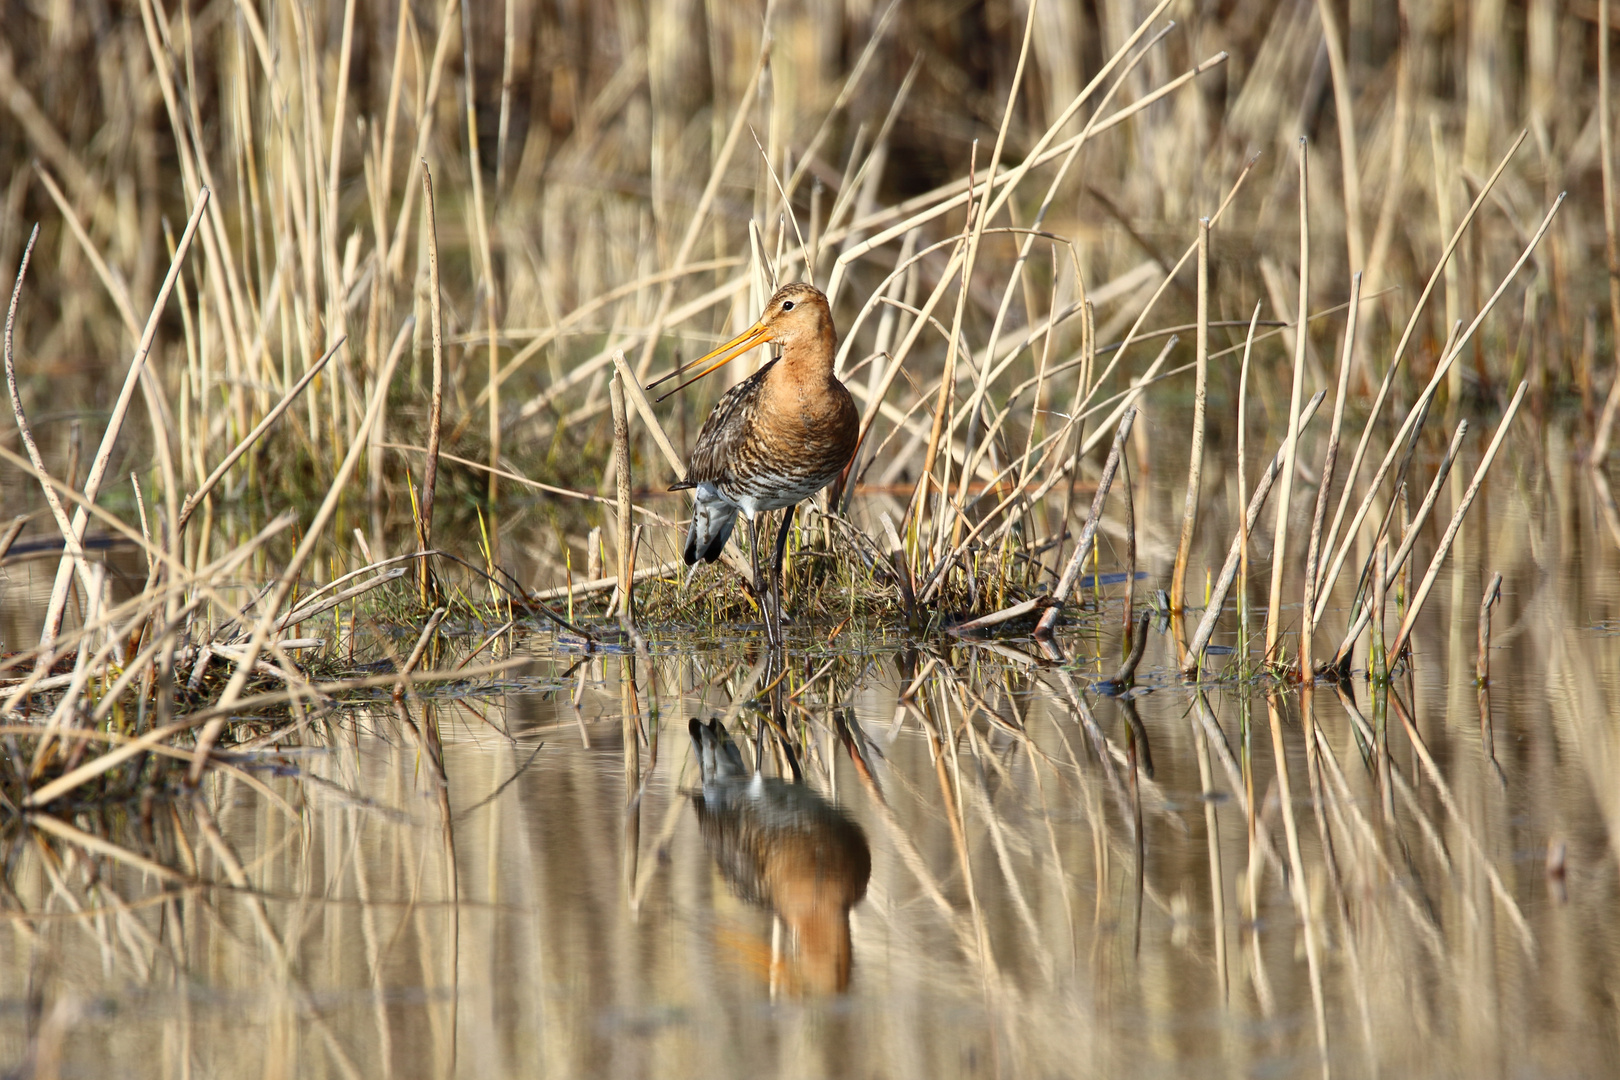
(774,439)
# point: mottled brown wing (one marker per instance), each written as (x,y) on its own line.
(725,431)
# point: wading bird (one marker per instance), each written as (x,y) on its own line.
(774,439)
(781,845)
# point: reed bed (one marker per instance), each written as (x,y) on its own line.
(388,276)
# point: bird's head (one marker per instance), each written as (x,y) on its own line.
(797,314)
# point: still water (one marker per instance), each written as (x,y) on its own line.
(989,868)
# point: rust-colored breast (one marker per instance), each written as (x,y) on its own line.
(774,440)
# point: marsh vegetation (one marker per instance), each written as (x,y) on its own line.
(1214,639)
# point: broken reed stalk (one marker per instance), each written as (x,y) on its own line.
(972,229)
(1279,549)
(1126,674)
(1070,468)
(1329,461)
(621,469)
(422,640)
(1482,666)
(638,397)
(1130,538)
(1236,556)
(430,470)
(115,423)
(1195,466)
(312,536)
(1071,572)
(71,544)
(967,276)
(1420,407)
(1611,246)
(195,499)
(1422,594)
(1324,586)
(480,230)
(1342,656)
(1243,500)
(1016,273)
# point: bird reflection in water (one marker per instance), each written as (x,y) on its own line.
(781,845)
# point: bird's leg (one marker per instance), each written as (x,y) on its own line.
(776,567)
(762,594)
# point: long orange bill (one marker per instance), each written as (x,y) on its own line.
(755,335)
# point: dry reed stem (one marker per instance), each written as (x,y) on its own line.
(430,471)
(539,339)
(71,543)
(195,499)
(1195,465)
(1243,499)
(1482,666)
(1237,555)
(1279,550)
(317,527)
(632,387)
(13,530)
(99,464)
(137,607)
(1313,549)
(589,368)
(1088,534)
(480,230)
(1420,407)
(970,262)
(1422,594)
(1344,120)
(1127,399)
(621,471)
(115,289)
(986,374)
(1134,334)
(421,644)
(311,607)
(1324,587)
(424,135)
(972,229)
(948,197)
(1611,237)
(1342,655)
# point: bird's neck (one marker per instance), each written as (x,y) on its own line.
(809,360)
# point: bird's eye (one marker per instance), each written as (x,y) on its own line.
(787,305)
